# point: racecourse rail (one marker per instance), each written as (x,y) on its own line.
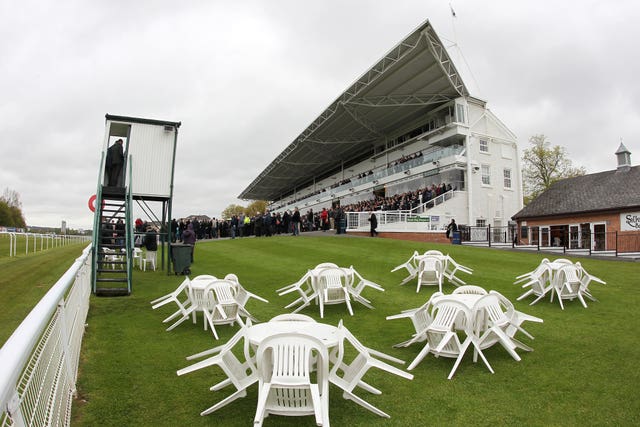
(40,360)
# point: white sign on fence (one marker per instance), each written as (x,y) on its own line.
(630,221)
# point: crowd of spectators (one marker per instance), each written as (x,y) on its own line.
(267,223)
(403,201)
(361,175)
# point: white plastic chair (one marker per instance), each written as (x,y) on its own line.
(150,258)
(540,282)
(411,265)
(470,290)
(451,267)
(567,285)
(494,329)
(242,295)
(433,252)
(175,298)
(586,279)
(430,272)
(137,257)
(442,339)
(332,284)
(420,318)
(221,307)
(516,318)
(348,376)
(286,387)
(357,284)
(292,317)
(239,374)
(326,265)
(111,256)
(304,288)
(527,276)
(198,302)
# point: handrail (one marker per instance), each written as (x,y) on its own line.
(19,351)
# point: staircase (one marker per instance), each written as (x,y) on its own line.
(113,249)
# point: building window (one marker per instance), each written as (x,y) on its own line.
(507,178)
(484,146)
(481,222)
(460,113)
(486,175)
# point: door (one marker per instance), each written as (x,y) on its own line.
(574,237)
(544,236)
(599,237)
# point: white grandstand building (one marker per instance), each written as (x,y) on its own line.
(407,123)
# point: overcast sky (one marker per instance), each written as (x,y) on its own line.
(245,78)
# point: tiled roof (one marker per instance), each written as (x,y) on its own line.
(610,190)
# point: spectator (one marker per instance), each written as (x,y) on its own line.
(189,238)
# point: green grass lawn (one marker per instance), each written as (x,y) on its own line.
(583,370)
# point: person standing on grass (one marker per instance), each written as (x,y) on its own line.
(189,238)
(295,222)
(374,224)
(324,219)
(451,228)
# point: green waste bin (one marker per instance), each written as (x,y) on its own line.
(181,258)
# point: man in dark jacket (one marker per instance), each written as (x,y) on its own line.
(151,240)
(114,163)
(374,224)
(189,238)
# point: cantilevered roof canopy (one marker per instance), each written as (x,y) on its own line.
(413,78)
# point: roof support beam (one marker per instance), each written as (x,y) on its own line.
(401,100)
(440,53)
(359,118)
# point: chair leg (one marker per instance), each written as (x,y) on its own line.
(478,350)
(463,349)
(419,357)
(263,394)
(178,322)
(584,304)
(346,300)
(225,401)
(368,387)
(540,297)
(350,396)
(526,294)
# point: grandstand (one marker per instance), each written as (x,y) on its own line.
(408,123)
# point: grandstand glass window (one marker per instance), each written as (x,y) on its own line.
(484,146)
(481,222)
(507,178)
(486,174)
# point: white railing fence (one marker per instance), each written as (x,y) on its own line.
(33,242)
(39,362)
(360,220)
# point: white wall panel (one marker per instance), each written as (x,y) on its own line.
(151,151)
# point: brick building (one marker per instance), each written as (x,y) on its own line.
(599,211)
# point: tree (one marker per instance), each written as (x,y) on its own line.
(232,210)
(256,206)
(543,165)
(11,210)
